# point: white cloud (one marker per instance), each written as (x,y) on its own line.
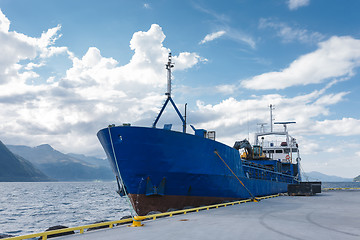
(49,37)
(32,65)
(331,98)
(290,34)
(145,69)
(338,127)
(295,4)
(16,47)
(147,6)
(332,150)
(310,147)
(187,60)
(334,58)
(223,20)
(4,23)
(240,36)
(329,153)
(94,91)
(212,36)
(232,117)
(226,88)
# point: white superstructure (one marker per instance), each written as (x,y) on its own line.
(278,145)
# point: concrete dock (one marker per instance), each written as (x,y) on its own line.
(329,215)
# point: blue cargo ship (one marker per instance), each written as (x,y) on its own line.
(161,169)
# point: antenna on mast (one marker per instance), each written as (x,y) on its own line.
(169,65)
(262,126)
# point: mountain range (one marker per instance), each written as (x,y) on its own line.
(14,168)
(64,167)
(317,176)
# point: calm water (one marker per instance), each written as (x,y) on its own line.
(33,207)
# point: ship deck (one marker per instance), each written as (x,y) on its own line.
(329,215)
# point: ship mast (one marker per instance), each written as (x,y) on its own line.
(271,118)
(168,66)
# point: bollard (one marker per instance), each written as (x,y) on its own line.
(137,221)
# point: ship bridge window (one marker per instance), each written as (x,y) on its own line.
(286,150)
(278,151)
(268,151)
(294,150)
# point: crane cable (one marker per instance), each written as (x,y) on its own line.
(252,196)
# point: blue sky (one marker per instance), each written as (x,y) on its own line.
(70,68)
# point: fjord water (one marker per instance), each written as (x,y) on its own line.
(33,207)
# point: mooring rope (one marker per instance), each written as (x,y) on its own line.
(253,198)
(132,211)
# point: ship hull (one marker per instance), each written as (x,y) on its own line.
(163,169)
